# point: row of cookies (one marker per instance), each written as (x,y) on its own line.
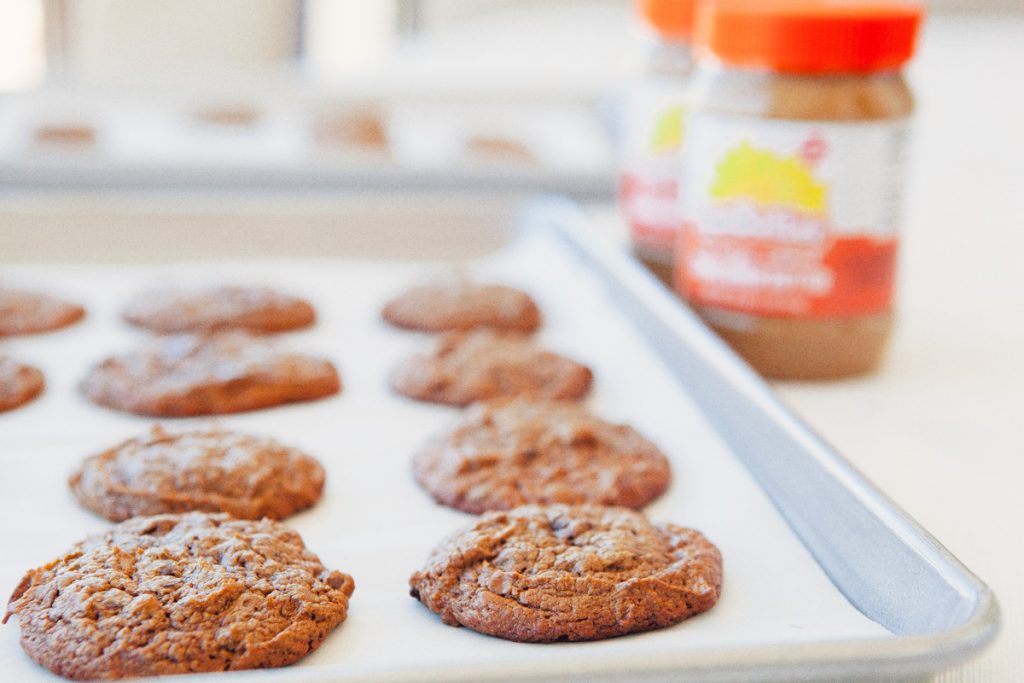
(524,442)
(572,456)
(522,555)
(524,438)
(213,356)
(227,372)
(199,576)
(24,312)
(559,552)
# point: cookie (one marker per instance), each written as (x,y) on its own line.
(462,305)
(187,375)
(175,594)
(19,384)
(255,309)
(511,452)
(465,367)
(25,312)
(541,574)
(209,470)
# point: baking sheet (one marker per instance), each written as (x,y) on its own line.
(374,522)
(154,140)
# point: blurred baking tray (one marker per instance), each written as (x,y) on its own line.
(287,137)
(826,579)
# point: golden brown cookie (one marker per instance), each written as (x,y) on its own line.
(462,305)
(511,452)
(187,375)
(465,367)
(210,470)
(255,309)
(177,594)
(19,384)
(560,572)
(27,312)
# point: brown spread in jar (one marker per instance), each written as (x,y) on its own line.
(792,174)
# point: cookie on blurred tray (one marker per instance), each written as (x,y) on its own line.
(465,367)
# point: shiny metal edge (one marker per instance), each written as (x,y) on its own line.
(316,176)
(916,649)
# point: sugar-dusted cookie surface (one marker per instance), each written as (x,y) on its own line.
(463,305)
(28,312)
(210,470)
(561,572)
(465,367)
(255,309)
(509,452)
(175,594)
(188,375)
(19,383)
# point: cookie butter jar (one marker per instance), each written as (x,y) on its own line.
(793,173)
(653,126)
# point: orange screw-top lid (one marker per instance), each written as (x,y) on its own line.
(809,36)
(671,18)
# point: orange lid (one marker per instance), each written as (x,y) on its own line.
(809,36)
(672,18)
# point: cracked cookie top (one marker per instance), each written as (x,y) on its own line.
(210,470)
(176,594)
(561,572)
(510,452)
(187,375)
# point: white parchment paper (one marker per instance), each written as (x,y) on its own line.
(373,521)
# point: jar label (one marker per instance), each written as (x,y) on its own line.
(649,188)
(791,218)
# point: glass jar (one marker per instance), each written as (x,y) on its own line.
(793,180)
(653,119)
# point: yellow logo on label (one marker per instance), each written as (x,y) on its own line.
(667,132)
(760,176)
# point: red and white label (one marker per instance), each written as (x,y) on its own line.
(649,185)
(649,199)
(790,219)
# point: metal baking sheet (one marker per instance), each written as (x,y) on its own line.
(825,578)
(152,140)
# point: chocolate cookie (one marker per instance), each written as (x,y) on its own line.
(256,309)
(19,384)
(176,594)
(210,470)
(465,367)
(511,452)
(185,375)
(24,312)
(462,305)
(560,572)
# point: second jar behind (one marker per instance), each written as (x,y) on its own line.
(653,130)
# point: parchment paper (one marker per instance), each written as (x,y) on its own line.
(373,521)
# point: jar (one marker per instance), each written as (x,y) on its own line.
(653,125)
(793,179)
